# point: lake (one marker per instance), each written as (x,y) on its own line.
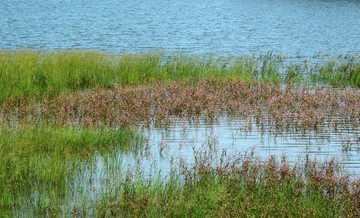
(228,27)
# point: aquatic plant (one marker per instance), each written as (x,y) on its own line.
(59,109)
(41,157)
(237,186)
(342,71)
(37,73)
(275,106)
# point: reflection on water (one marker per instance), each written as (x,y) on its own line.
(165,147)
(237,27)
(234,136)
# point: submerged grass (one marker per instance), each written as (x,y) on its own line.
(271,106)
(45,156)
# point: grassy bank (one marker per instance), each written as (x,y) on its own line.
(35,73)
(44,157)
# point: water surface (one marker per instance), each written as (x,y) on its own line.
(238,136)
(235,27)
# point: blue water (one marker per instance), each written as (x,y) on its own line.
(234,27)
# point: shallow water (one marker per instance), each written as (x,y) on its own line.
(180,141)
(197,27)
(165,148)
(238,136)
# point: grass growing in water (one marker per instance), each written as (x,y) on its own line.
(35,73)
(237,186)
(44,157)
(340,72)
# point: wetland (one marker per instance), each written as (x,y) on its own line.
(179,108)
(142,129)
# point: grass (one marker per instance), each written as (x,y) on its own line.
(214,185)
(38,157)
(34,73)
(272,106)
(236,186)
(30,73)
(60,109)
(342,71)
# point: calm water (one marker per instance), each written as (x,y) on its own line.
(223,27)
(239,136)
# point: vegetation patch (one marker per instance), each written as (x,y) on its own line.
(45,156)
(60,111)
(237,186)
(30,73)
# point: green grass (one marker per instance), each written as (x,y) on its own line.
(249,189)
(33,73)
(342,71)
(40,162)
(46,156)
(36,73)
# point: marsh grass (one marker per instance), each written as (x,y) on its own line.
(45,157)
(214,185)
(236,186)
(35,73)
(341,71)
(272,106)
(59,109)
(30,73)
